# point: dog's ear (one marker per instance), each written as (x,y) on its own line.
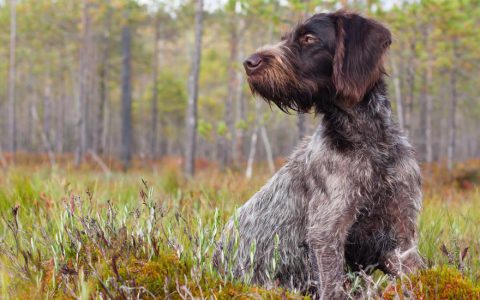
(357,64)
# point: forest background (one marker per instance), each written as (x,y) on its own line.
(118,79)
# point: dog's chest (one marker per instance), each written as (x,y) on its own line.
(364,172)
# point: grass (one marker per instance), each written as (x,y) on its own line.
(75,234)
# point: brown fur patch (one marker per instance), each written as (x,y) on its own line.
(358,62)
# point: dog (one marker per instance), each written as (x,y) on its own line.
(348,196)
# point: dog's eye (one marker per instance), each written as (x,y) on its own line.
(309,39)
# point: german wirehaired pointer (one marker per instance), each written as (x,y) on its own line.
(349,196)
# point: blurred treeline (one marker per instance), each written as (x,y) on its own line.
(110,78)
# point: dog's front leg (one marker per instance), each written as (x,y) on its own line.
(329,223)
(404,208)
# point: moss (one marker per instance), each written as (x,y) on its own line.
(154,275)
(167,275)
(437,283)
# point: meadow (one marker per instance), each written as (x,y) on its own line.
(87,234)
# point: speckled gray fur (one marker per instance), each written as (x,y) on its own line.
(349,196)
(330,207)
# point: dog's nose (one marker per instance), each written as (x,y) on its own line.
(252,63)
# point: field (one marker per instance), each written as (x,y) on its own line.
(83,234)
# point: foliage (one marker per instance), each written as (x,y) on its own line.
(52,35)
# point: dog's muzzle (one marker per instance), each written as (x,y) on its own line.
(252,64)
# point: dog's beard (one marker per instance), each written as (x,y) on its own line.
(280,83)
(282,88)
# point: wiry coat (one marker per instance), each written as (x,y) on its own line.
(348,196)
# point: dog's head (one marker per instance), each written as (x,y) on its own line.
(329,56)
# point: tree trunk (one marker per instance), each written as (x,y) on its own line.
(429,111)
(409,102)
(99,145)
(239,154)
(251,155)
(31,133)
(427,104)
(411,89)
(103,84)
(253,145)
(81,122)
(47,100)
(398,93)
(268,149)
(154,120)
(107,129)
(191,126)
(226,139)
(126,153)
(60,124)
(12,127)
(422,149)
(452,124)
(423,117)
(239,135)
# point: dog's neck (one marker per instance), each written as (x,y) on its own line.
(367,122)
